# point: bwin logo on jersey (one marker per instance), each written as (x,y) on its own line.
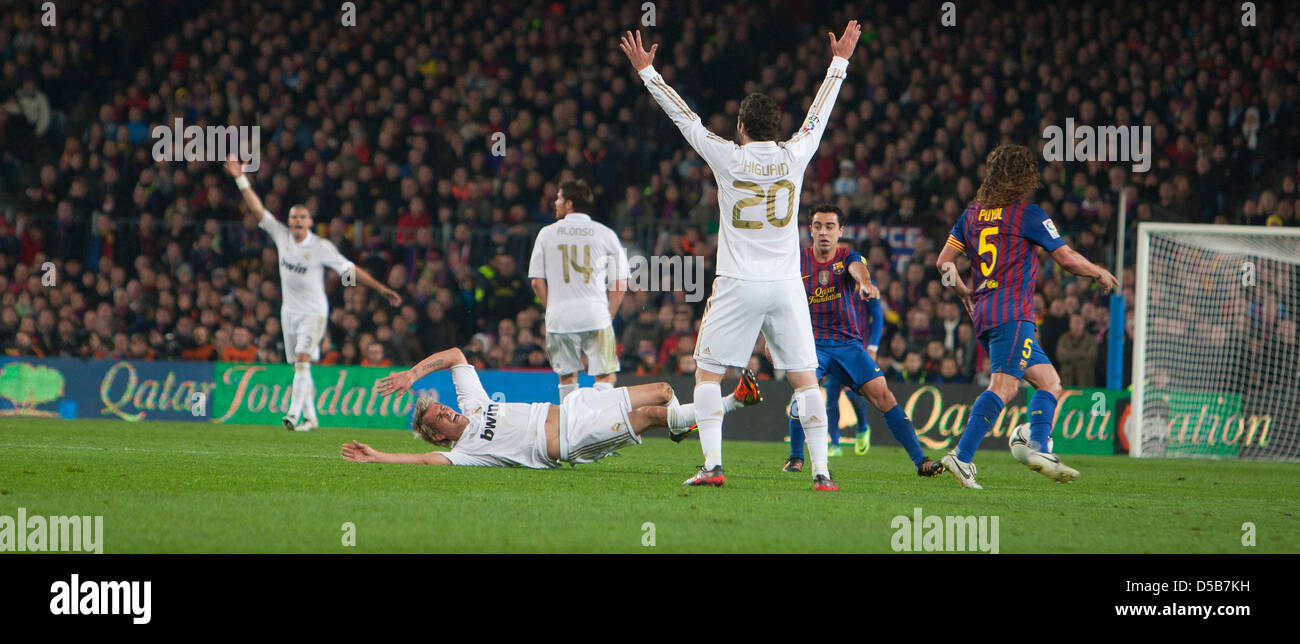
(297,268)
(489,422)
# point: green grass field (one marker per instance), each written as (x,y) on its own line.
(188,487)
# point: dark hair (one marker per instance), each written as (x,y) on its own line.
(1010,174)
(578,192)
(827,206)
(761,117)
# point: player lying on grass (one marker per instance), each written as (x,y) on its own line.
(998,232)
(833,277)
(585,428)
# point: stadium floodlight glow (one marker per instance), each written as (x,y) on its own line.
(1216,357)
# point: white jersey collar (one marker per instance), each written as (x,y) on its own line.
(582,216)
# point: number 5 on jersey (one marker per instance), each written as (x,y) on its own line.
(987,247)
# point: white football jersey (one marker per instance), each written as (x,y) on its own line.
(302,267)
(580,260)
(499,434)
(758,183)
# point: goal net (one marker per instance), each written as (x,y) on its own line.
(1216,364)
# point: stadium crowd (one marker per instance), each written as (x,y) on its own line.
(386,131)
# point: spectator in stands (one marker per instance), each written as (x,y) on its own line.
(375,356)
(395,148)
(241,349)
(1076,352)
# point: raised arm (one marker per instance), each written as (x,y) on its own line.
(804,142)
(403,380)
(1072,261)
(713,148)
(362,453)
(245,188)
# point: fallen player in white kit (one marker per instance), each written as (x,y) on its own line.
(585,428)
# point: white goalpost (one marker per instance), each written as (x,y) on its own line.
(1216,358)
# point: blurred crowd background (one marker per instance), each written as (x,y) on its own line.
(385,131)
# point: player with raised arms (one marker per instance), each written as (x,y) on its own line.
(998,232)
(832,275)
(304,309)
(587,426)
(757,289)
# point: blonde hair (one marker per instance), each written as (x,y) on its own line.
(421,427)
(1010,174)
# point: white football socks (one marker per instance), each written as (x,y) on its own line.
(301,388)
(309,405)
(812,415)
(708,414)
(683,416)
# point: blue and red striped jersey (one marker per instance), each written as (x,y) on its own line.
(999,243)
(830,290)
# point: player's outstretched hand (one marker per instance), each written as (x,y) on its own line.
(395,383)
(1106,281)
(393,298)
(843,47)
(358,452)
(636,52)
(232,166)
(868,291)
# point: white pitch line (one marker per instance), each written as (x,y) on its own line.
(164,451)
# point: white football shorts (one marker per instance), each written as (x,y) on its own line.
(303,333)
(565,351)
(594,423)
(738,310)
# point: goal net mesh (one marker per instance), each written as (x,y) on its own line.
(1220,367)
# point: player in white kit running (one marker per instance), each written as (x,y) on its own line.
(305,309)
(579,271)
(588,426)
(758,288)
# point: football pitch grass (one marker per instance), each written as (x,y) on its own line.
(199,488)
